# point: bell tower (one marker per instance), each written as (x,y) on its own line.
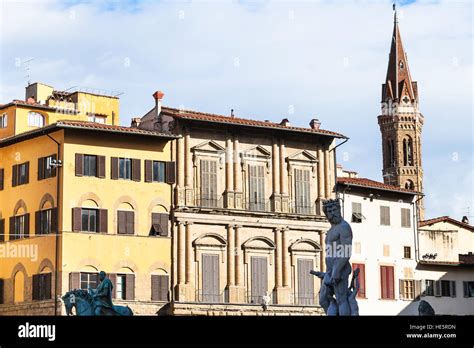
(401,122)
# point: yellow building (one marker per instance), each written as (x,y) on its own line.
(78,197)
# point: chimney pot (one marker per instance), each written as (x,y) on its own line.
(285,122)
(136,122)
(315,123)
(31,100)
(158,95)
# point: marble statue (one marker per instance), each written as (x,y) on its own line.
(94,302)
(335,295)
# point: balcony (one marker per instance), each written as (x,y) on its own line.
(210,201)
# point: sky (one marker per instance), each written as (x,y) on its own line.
(266,60)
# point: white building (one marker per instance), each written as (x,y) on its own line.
(383,219)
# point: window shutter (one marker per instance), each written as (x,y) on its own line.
(465,286)
(101,167)
(159,287)
(452,285)
(170,172)
(27,225)
(15,175)
(2,231)
(401,292)
(47,285)
(74,280)
(121,220)
(423,287)
(383,282)
(27,180)
(11,229)
(437,288)
(36,287)
(38,222)
(361,268)
(2,171)
(417,289)
(114,168)
(136,170)
(41,168)
(79,164)
(54,220)
(1,291)
(164,218)
(113,279)
(391,286)
(76,219)
(130,222)
(103,220)
(148,171)
(130,286)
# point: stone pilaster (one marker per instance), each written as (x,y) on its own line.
(236,291)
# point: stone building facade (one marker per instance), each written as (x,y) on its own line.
(247,219)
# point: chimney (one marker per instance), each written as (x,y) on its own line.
(285,122)
(465,220)
(232,113)
(136,122)
(158,95)
(315,123)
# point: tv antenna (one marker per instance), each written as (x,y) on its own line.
(26,68)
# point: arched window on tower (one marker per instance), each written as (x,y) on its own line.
(392,152)
(409,185)
(407,151)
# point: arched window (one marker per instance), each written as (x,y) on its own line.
(391,153)
(35,119)
(409,185)
(125,219)
(407,151)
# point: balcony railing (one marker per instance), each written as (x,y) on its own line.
(210,201)
(301,208)
(258,206)
(202,296)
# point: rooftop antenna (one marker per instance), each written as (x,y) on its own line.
(26,68)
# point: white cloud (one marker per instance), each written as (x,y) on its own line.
(326,59)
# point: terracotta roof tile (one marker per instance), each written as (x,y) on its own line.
(203,116)
(108,127)
(446,219)
(364,182)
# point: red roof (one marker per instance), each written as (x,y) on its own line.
(446,219)
(106,127)
(363,182)
(203,116)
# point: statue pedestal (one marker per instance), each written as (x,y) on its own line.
(282,295)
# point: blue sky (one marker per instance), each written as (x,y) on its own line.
(266,60)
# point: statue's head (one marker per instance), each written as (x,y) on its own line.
(102,275)
(332,210)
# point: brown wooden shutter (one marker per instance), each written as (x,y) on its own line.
(41,168)
(15,175)
(11,228)
(130,286)
(27,225)
(170,172)
(159,287)
(130,224)
(164,219)
(101,167)
(27,180)
(54,220)
(76,219)
(2,231)
(148,171)
(47,285)
(417,290)
(136,170)
(361,268)
(2,171)
(401,292)
(79,164)
(53,169)
(38,222)
(103,220)
(391,285)
(121,221)
(74,280)
(383,282)
(114,168)
(113,279)
(36,287)
(1,291)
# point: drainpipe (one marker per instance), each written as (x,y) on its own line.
(57,165)
(416,235)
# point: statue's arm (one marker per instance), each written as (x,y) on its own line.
(104,290)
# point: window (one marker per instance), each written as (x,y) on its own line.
(407,151)
(361,268)
(96,119)
(407,289)
(448,288)
(120,287)
(387,283)
(302,191)
(20,174)
(406,220)
(42,286)
(89,220)
(208,183)
(2,175)
(429,287)
(44,222)
(46,169)
(258,279)
(385,215)
(357,212)
(159,224)
(125,168)
(90,165)
(210,278)
(159,287)
(305,282)
(158,171)
(256,188)
(35,119)
(468,289)
(407,252)
(19,226)
(89,280)
(3,121)
(126,222)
